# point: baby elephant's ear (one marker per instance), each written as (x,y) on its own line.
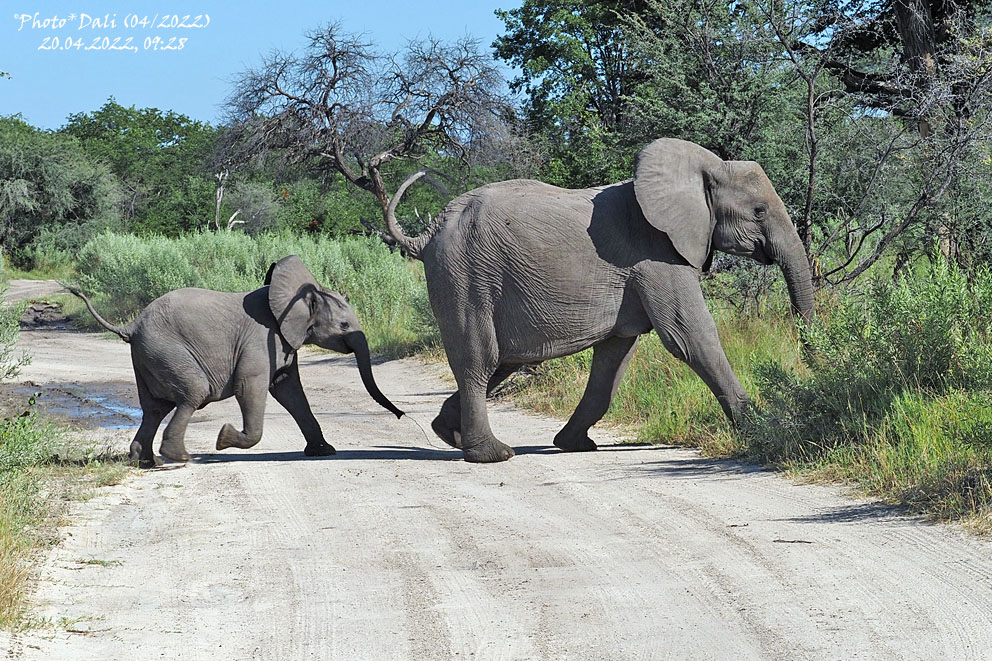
(292,289)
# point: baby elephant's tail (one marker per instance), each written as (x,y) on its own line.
(122,332)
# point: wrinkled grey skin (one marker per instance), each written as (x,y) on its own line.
(191,347)
(519,272)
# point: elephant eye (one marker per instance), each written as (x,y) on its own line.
(760,211)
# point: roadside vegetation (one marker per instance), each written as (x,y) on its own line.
(42,467)
(892,393)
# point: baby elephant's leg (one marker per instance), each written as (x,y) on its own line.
(252,402)
(288,391)
(153,411)
(173,439)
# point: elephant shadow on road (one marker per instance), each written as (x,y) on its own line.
(388,453)
(366,454)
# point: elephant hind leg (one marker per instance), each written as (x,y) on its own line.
(448,423)
(173,439)
(478,442)
(153,411)
(141,453)
(479,445)
(609,362)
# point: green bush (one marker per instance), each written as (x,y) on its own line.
(124,273)
(897,395)
(11,361)
(25,441)
(928,333)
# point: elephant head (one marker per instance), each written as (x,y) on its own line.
(307,313)
(704,203)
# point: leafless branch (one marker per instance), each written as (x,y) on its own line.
(340,105)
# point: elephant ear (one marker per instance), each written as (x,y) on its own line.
(671,183)
(292,289)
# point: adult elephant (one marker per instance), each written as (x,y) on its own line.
(519,272)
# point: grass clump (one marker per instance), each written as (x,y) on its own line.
(896,397)
(124,273)
(41,471)
(24,444)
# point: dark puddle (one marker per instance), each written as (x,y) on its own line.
(44,316)
(108,407)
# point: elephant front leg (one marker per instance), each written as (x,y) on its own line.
(251,399)
(678,312)
(609,362)
(288,391)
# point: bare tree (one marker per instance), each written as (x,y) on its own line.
(342,106)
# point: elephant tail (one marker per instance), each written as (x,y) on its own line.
(123,333)
(412,246)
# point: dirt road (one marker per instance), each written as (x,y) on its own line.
(396,550)
(26,290)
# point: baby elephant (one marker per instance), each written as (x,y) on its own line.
(191,347)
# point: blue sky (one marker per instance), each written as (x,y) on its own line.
(48,85)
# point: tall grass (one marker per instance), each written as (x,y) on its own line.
(898,395)
(24,444)
(124,273)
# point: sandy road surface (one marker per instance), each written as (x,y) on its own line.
(25,290)
(396,550)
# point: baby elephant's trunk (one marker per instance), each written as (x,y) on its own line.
(356,342)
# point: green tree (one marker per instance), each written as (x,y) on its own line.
(341,109)
(872,118)
(576,70)
(49,185)
(161,158)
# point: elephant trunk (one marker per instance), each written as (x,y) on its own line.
(359,345)
(798,278)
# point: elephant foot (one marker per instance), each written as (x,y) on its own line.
(139,462)
(488,452)
(450,436)
(175,451)
(574,443)
(137,458)
(229,437)
(322,449)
